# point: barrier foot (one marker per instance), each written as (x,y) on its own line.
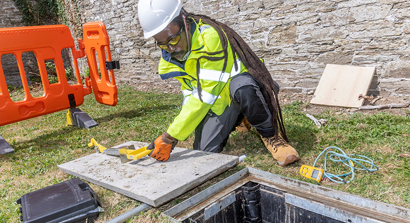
(5,147)
(80,119)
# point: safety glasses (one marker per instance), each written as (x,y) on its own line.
(172,42)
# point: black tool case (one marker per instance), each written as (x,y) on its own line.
(69,201)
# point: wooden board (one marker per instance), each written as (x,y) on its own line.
(341,85)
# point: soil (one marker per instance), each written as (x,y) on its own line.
(286,97)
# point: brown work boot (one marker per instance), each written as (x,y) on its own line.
(281,150)
(244,126)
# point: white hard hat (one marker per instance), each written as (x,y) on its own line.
(155,15)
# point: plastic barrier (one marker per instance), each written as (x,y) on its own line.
(96,41)
(47,42)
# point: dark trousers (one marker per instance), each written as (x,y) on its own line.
(247,101)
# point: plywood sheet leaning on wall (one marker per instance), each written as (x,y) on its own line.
(341,85)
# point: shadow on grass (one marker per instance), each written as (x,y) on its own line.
(129,114)
(43,143)
(302,138)
(58,138)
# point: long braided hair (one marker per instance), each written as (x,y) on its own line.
(252,62)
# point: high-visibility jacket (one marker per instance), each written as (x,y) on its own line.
(213,81)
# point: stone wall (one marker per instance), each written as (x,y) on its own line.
(10,16)
(297,38)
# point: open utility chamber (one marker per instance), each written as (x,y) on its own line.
(252,195)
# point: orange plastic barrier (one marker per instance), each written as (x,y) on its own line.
(47,42)
(96,41)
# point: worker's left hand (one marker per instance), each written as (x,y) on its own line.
(164,144)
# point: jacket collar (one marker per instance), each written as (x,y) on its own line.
(194,32)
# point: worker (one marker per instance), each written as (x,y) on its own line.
(222,80)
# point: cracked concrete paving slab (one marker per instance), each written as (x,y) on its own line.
(147,180)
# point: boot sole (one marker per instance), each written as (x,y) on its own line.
(289,159)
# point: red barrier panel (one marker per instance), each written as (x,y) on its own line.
(47,42)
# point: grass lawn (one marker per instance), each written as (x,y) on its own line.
(44,142)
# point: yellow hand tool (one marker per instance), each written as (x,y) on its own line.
(99,148)
(131,154)
(125,154)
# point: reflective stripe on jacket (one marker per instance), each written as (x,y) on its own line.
(213,82)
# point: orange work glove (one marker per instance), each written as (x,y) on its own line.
(164,144)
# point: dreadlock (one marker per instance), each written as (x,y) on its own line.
(254,65)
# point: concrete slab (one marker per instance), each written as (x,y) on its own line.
(148,180)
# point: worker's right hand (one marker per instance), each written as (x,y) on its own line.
(164,144)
